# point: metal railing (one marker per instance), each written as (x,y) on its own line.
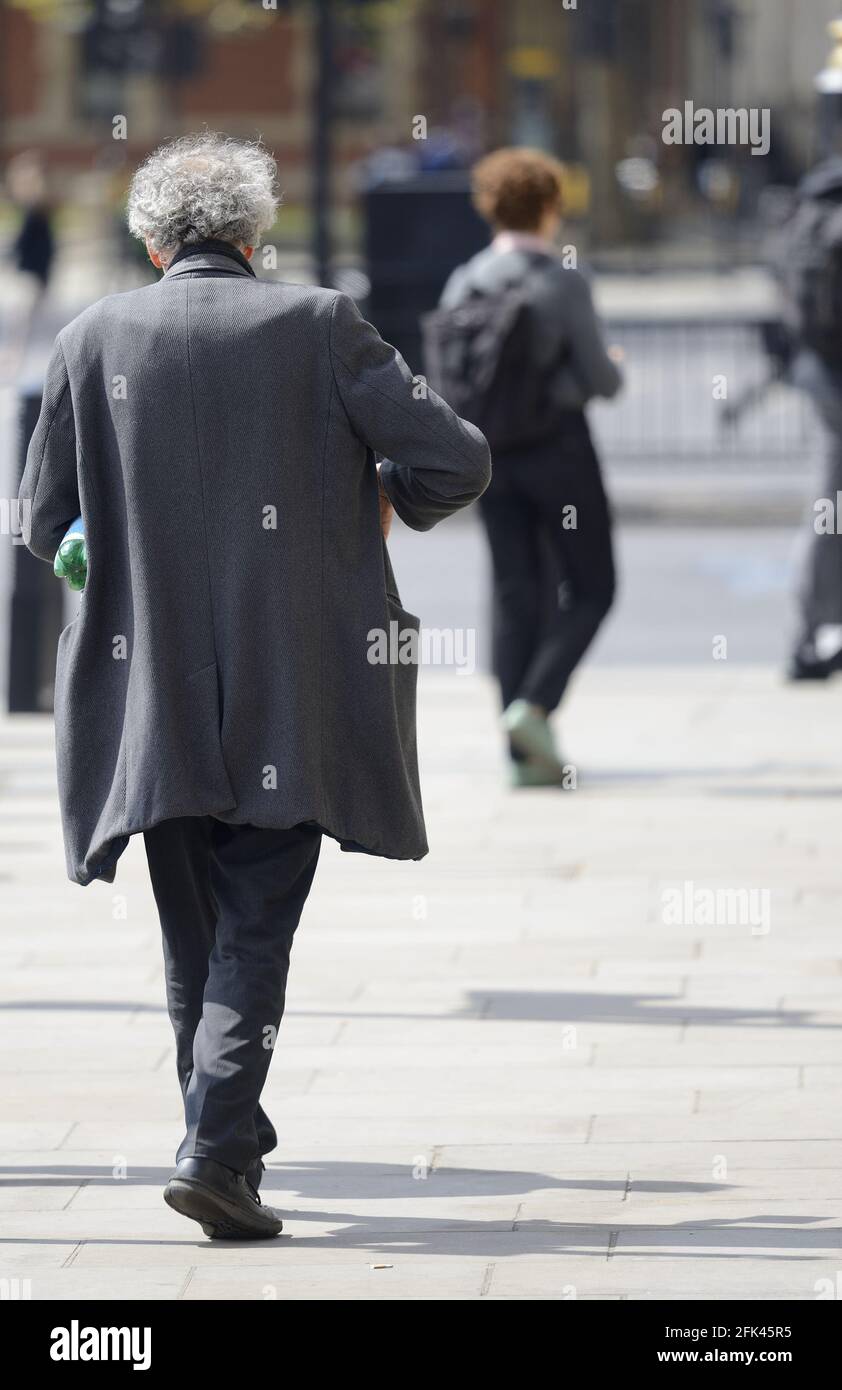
(703,390)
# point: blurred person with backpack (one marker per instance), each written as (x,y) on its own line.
(808,259)
(516,348)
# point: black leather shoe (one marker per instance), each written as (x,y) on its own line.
(223,1203)
(801,670)
(806,666)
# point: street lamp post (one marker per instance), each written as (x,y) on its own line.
(322,112)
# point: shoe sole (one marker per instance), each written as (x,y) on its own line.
(545,779)
(217,1217)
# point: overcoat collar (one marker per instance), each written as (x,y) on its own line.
(214,256)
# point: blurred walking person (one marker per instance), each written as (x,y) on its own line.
(32,253)
(808,263)
(217,693)
(34,245)
(516,347)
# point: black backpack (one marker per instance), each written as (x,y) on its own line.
(812,275)
(479,357)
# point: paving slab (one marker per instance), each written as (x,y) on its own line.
(505,1072)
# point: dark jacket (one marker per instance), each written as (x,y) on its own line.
(564,317)
(217,434)
(821,380)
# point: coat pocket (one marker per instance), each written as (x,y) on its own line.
(393,598)
(391,586)
(405,658)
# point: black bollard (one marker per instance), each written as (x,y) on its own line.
(37,603)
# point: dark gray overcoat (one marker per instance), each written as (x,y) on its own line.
(217,434)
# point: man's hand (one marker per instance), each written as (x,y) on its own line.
(387,511)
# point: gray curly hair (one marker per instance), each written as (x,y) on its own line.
(200,187)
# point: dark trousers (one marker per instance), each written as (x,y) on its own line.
(820,590)
(229,898)
(549,529)
(820,593)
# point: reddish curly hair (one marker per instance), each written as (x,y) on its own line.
(513,188)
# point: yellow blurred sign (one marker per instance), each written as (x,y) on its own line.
(540,64)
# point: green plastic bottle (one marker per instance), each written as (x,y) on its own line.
(71,562)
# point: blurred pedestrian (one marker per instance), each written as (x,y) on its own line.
(217,692)
(516,347)
(809,268)
(32,252)
(34,246)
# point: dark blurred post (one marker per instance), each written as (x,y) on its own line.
(416,231)
(322,113)
(35,615)
(35,603)
(828,84)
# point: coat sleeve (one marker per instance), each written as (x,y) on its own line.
(435,462)
(49,490)
(594,369)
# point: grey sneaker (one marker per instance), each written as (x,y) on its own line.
(530,733)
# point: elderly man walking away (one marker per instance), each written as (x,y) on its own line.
(216,432)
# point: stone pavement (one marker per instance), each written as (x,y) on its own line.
(514,1070)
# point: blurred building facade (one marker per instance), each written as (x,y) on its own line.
(589,80)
